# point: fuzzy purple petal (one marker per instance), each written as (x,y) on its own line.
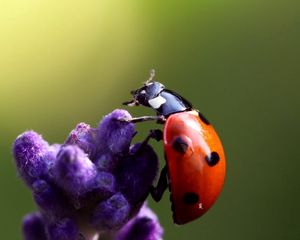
(107,162)
(136,173)
(84,137)
(33,227)
(103,187)
(65,229)
(145,226)
(105,184)
(50,158)
(51,201)
(29,149)
(115,135)
(74,172)
(112,213)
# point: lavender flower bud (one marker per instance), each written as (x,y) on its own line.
(51,201)
(145,226)
(111,214)
(106,162)
(64,229)
(50,156)
(73,171)
(114,136)
(136,173)
(33,227)
(104,185)
(29,149)
(84,137)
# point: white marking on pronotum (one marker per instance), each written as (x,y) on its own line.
(156,102)
(143,92)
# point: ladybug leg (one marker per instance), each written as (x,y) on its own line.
(156,134)
(158,191)
(159,119)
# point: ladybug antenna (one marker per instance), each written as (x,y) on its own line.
(150,79)
(131,103)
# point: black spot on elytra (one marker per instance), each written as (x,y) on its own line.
(212,159)
(190,198)
(180,145)
(203,119)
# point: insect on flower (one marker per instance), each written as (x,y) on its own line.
(195,160)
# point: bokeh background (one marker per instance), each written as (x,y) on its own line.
(64,62)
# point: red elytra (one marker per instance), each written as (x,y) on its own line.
(193,182)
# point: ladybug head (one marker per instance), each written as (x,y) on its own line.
(146,93)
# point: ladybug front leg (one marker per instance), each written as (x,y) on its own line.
(159,119)
(156,134)
(158,191)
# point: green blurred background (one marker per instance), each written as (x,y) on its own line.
(63,62)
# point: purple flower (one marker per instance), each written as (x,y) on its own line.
(33,227)
(104,184)
(74,172)
(95,182)
(114,136)
(144,226)
(29,150)
(112,213)
(51,200)
(136,173)
(64,229)
(84,137)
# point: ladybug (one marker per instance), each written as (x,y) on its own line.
(195,160)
